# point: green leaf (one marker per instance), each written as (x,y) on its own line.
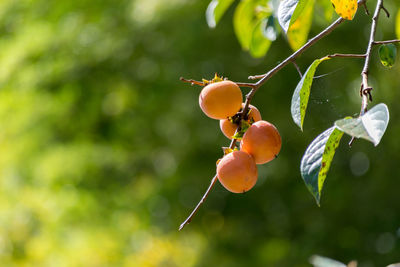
(317,160)
(302,93)
(370,126)
(327,9)
(387,55)
(215,10)
(298,31)
(264,33)
(243,22)
(248,20)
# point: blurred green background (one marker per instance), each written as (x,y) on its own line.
(104,152)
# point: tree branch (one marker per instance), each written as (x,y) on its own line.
(192,82)
(365,90)
(386,11)
(189,219)
(347,55)
(297,68)
(301,50)
(248,85)
(365,8)
(386,42)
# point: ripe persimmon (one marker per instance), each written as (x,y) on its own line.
(221,100)
(237,172)
(228,127)
(263,141)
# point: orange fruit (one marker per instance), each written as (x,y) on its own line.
(237,172)
(220,100)
(262,140)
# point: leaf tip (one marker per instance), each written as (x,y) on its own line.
(318,200)
(298,122)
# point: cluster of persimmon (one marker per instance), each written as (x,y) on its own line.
(260,141)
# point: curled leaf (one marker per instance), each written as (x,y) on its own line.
(371,126)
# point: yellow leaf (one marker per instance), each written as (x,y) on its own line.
(345,8)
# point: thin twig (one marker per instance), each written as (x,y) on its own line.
(386,11)
(386,42)
(249,85)
(297,68)
(352,141)
(365,8)
(347,55)
(189,219)
(193,82)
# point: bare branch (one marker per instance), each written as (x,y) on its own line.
(365,88)
(297,68)
(352,141)
(189,219)
(193,82)
(386,42)
(386,11)
(347,55)
(365,8)
(249,85)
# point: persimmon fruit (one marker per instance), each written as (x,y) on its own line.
(221,100)
(228,127)
(262,141)
(237,172)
